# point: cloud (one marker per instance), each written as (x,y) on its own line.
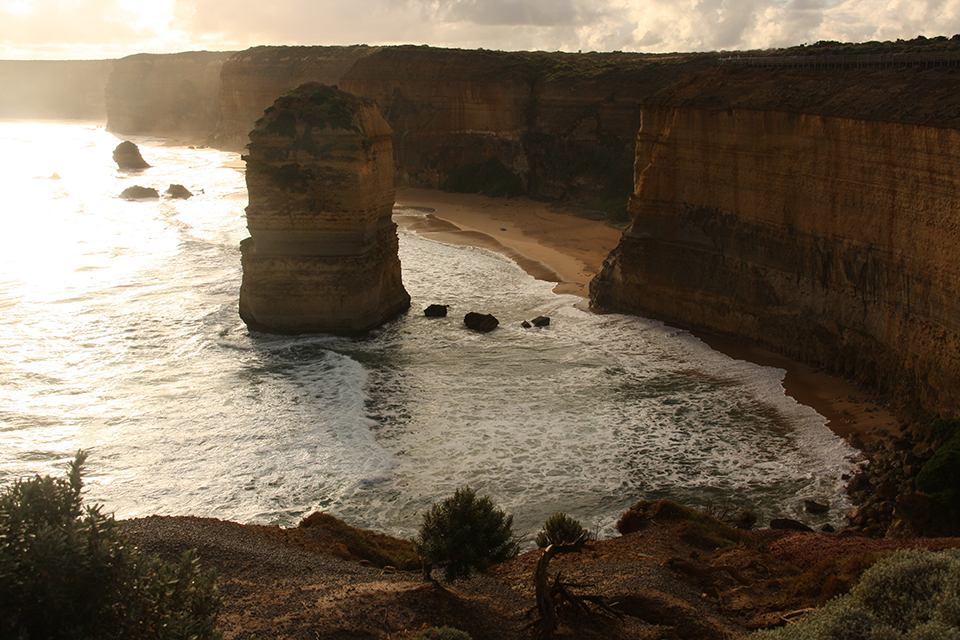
(128,26)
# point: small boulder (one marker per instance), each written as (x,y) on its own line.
(541,321)
(480,321)
(178,191)
(127,156)
(436,311)
(139,193)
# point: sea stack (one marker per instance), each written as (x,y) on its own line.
(322,256)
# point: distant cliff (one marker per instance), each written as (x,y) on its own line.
(175,94)
(563,124)
(251,80)
(814,211)
(53,89)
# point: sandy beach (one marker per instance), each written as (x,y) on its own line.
(569,250)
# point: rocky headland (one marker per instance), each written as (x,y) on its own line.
(322,256)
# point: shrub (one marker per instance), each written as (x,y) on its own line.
(442,633)
(66,572)
(465,532)
(912,594)
(559,529)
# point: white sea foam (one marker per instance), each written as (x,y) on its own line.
(122,337)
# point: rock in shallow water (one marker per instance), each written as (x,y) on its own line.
(482,322)
(127,156)
(137,192)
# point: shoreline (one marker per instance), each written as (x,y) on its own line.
(569,250)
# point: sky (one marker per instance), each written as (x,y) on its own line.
(95,29)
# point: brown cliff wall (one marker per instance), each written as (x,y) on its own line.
(831,239)
(170,94)
(563,123)
(54,89)
(252,79)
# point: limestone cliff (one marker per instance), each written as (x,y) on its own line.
(53,89)
(322,257)
(251,80)
(807,211)
(170,94)
(563,123)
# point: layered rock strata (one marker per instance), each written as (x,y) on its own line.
(322,256)
(563,123)
(252,79)
(830,239)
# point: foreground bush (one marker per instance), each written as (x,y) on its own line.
(66,572)
(559,529)
(465,532)
(913,595)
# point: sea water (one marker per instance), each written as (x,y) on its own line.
(121,337)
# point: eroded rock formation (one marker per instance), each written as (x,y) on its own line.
(831,239)
(322,256)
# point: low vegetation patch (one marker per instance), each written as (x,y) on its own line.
(67,572)
(911,594)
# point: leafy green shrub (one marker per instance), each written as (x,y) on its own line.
(465,532)
(442,633)
(559,529)
(66,572)
(912,594)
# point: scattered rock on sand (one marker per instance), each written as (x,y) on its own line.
(139,193)
(127,156)
(178,191)
(482,322)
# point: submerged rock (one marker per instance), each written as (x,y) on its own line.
(127,156)
(482,322)
(137,192)
(322,256)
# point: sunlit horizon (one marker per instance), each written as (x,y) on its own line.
(110,29)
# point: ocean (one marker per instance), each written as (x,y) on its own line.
(121,337)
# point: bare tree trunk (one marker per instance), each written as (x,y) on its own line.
(544,627)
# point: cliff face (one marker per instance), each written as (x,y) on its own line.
(322,257)
(563,123)
(172,94)
(53,89)
(251,80)
(831,239)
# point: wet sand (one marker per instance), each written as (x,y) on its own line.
(569,250)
